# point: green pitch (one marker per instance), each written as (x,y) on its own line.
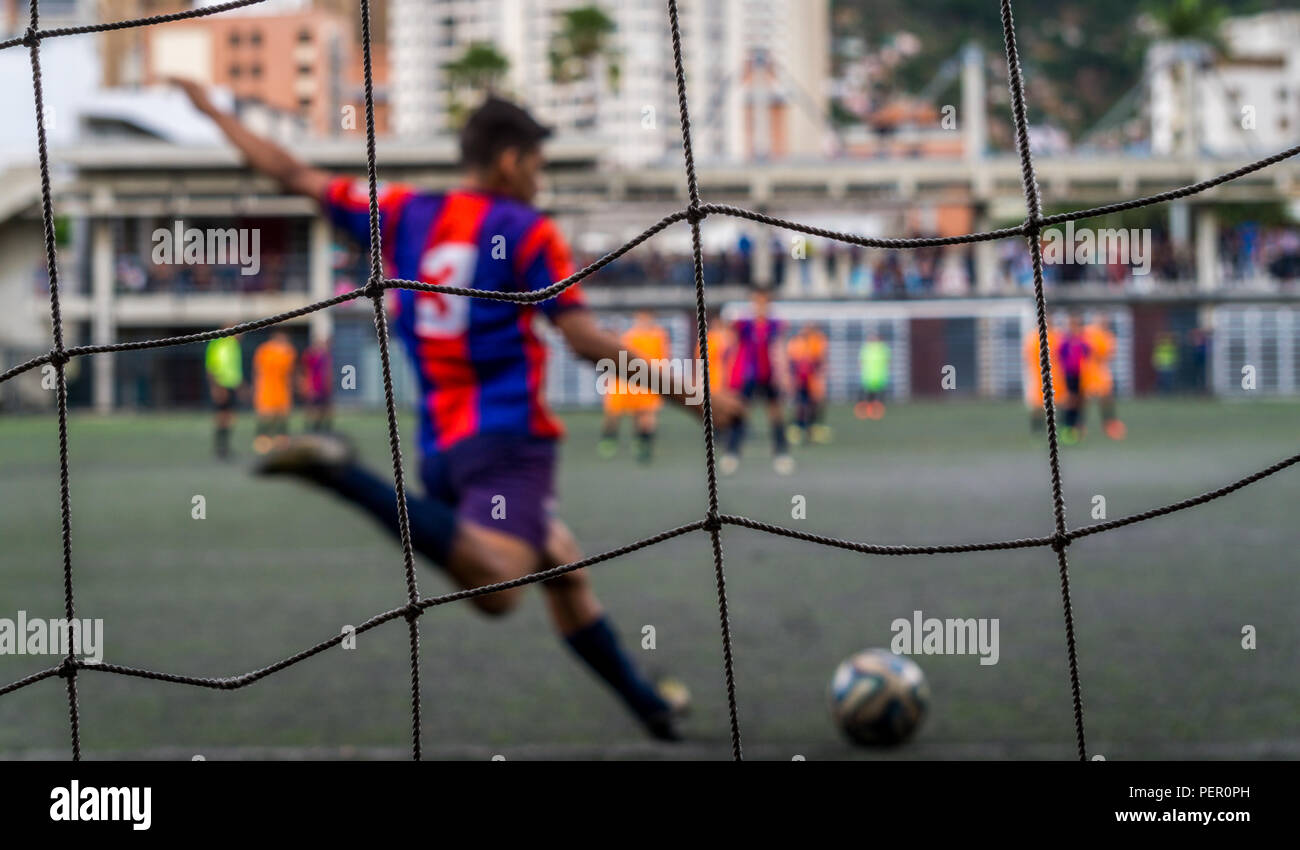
(274,568)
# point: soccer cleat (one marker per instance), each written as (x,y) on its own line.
(1069,436)
(664,726)
(607,447)
(783,464)
(861,410)
(1116,430)
(794,434)
(875,410)
(305,454)
(821,434)
(729,464)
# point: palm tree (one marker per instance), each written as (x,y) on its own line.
(478,71)
(1192,20)
(579,50)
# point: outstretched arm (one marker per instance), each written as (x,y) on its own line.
(263,155)
(590,341)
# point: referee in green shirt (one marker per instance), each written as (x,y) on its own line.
(873,361)
(225,366)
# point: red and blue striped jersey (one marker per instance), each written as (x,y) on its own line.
(753,355)
(479,363)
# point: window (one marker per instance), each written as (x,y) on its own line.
(257,71)
(234,38)
(256,38)
(304,36)
(235,71)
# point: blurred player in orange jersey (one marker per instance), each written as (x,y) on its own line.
(1098,383)
(722,345)
(806,356)
(273,363)
(1034,376)
(647,340)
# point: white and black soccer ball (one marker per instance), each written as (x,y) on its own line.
(878,698)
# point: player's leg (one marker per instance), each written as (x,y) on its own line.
(820,431)
(607,447)
(224,400)
(280,427)
(781,460)
(1070,432)
(646,423)
(862,408)
(736,435)
(586,628)
(1111,422)
(876,402)
(797,431)
(261,433)
(473,555)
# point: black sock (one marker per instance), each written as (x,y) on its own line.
(736,437)
(223,441)
(779,445)
(646,439)
(597,645)
(432,523)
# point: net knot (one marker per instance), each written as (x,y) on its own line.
(374,288)
(1060,541)
(695,214)
(30,37)
(68,668)
(712,523)
(1032,227)
(412,612)
(59,357)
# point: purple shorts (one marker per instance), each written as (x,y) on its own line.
(504,482)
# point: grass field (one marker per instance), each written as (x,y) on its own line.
(274,568)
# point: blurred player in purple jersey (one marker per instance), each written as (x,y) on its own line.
(487,441)
(1073,352)
(757,372)
(316,386)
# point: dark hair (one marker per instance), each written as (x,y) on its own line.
(495,127)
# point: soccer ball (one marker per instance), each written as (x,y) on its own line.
(878,698)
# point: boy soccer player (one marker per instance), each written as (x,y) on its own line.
(1073,351)
(224,363)
(648,341)
(806,353)
(1034,376)
(722,345)
(756,371)
(873,367)
(316,386)
(486,437)
(273,363)
(1097,381)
